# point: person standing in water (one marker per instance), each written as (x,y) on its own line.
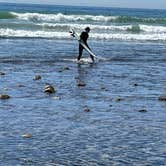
(84,36)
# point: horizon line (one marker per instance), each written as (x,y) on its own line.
(27,3)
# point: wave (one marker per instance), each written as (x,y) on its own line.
(60,17)
(136,28)
(10,33)
(6,15)
(39,17)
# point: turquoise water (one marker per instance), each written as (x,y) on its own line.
(34,40)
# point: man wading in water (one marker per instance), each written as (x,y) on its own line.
(84,36)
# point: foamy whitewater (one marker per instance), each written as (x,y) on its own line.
(109,25)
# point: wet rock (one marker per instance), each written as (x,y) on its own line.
(4,96)
(27,135)
(135,84)
(162,98)
(20,85)
(56,98)
(103,88)
(49,89)
(142,110)
(118,99)
(64,69)
(79,83)
(2,74)
(37,77)
(86,109)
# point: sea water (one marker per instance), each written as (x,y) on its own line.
(126,124)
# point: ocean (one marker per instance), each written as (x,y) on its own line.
(117,116)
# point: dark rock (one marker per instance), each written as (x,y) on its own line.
(49,89)
(162,98)
(66,68)
(81,84)
(4,96)
(63,69)
(86,109)
(143,110)
(20,85)
(37,77)
(118,99)
(1,73)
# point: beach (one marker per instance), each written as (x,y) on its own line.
(115,117)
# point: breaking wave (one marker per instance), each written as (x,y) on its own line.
(9,33)
(88,18)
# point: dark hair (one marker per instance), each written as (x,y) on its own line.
(87,29)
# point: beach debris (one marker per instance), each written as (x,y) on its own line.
(2,74)
(142,110)
(37,77)
(49,89)
(162,98)
(27,135)
(118,99)
(79,83)
(4,96)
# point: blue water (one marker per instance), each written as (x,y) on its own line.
(131,78)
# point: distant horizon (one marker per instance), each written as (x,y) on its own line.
(83,5)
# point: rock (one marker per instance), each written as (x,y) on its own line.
(37,77)
(162,98)
(2,74)
(81,84)
(27,135)
(86,109)
(143,110)
(118,99)
(20,85)
(66,68)
(4,96)
(56,98)
(49,89)
(63,69)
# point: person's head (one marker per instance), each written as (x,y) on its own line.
(87,29)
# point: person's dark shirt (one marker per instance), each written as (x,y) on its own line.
(84,36)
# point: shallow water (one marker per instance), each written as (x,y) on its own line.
(112,133)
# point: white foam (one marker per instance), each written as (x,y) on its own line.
(60,17)
(32,34)
(153,29)
(82,26)
(65,35)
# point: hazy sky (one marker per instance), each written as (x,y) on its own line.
(159,4)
